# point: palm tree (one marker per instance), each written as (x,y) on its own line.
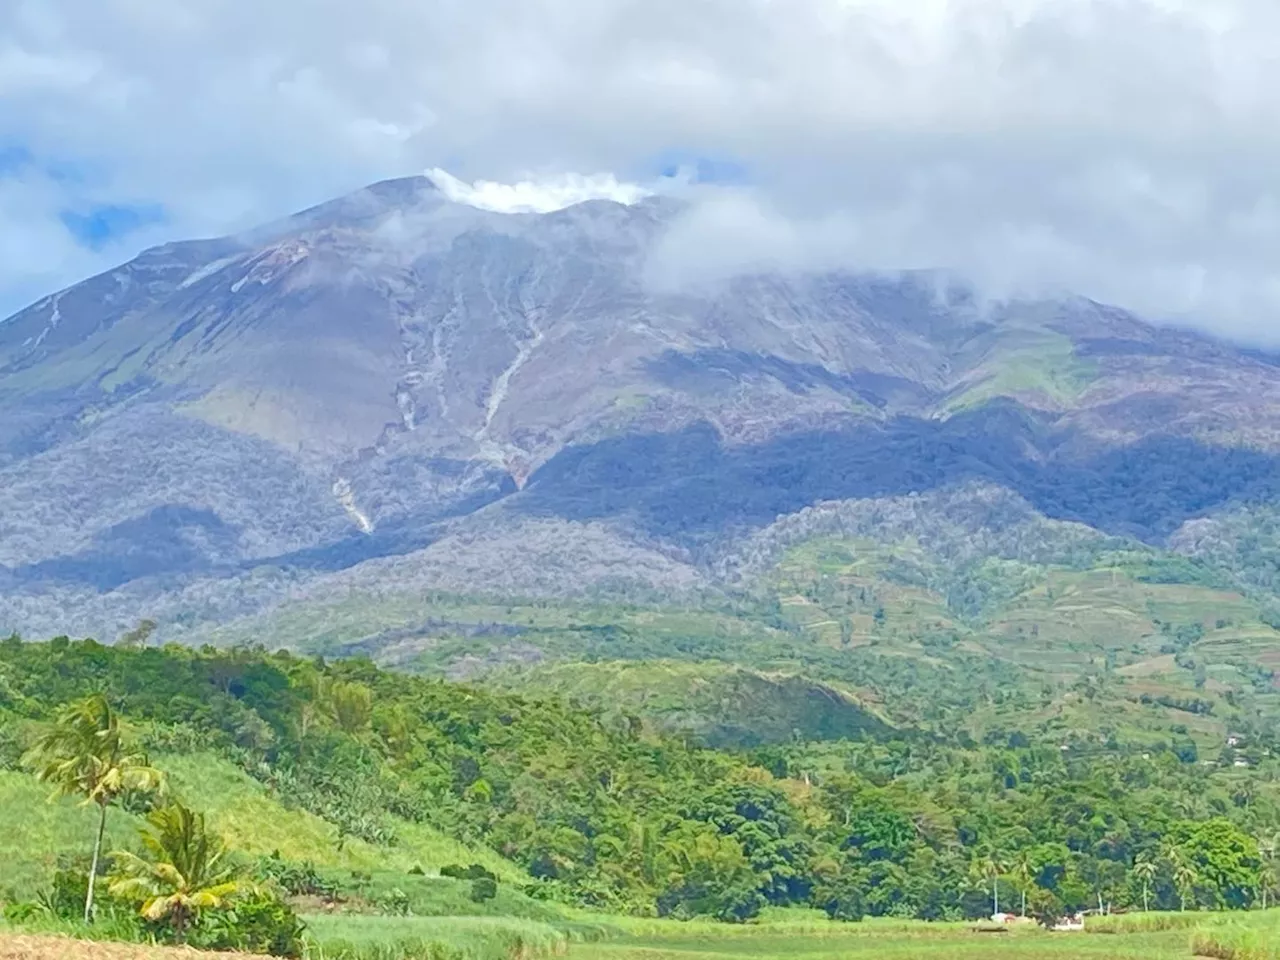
(1185,877)
(1268,847)
(1184,874)
(1266,881)
(992,866)
(1023,869)
(348,705)
(645,845)
(181,875)
(1144,868)
(84,754)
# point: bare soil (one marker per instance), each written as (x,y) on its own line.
(63,948)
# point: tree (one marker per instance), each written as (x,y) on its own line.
(348,704)
(1225,860)
(841,898)
(1266,880)
(1184,878)
(182,874)
(1268,847)
(1144,868)
(138,636)
(706,874)
(991,866)
(1184,874)
(84,754)
(1023,869)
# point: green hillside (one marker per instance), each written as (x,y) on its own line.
(908,632)
(1142,639)
(252,818)
(957,613)
(714,703)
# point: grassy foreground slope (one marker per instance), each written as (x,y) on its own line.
(253,820)
(781,934)
(1240,939)
(963,945)
(36,834)
(1136,936)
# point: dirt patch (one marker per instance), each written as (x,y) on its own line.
(64,948)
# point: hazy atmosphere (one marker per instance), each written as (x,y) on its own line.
(1120,149)
(603,480)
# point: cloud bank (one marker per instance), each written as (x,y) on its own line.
(1127,150)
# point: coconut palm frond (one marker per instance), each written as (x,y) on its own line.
(181,873)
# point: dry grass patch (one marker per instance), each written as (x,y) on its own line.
(13,947)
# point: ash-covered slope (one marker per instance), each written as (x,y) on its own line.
(391,370)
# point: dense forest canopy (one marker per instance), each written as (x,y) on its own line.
(600,811)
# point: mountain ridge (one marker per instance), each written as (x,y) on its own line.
(390,374)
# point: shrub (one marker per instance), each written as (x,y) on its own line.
(473,872)
(732,903)
(394,902)
(63,900)
(259,923)
(67,890)
(841,900)
(295,879)
(12,746)
(22,912)
(483,888)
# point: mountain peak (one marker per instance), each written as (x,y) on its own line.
(355,380)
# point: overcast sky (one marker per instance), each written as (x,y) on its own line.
(1127,150)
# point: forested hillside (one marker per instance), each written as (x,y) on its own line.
(395,390)
(960,612)
(596,809)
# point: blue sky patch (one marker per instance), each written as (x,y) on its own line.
(703,169)
(93,224)
(96,226)
(13,158)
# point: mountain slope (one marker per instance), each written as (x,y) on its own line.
(395,387)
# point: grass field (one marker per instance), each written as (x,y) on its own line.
(417,622)
(881,940)
(1031,363)
(35,833)
(440,938)
(494,938)
(1241,938)
(1253,936)
(333,937)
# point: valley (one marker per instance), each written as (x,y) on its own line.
(473,597)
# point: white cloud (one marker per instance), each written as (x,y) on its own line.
(1125,149)
(539,195)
